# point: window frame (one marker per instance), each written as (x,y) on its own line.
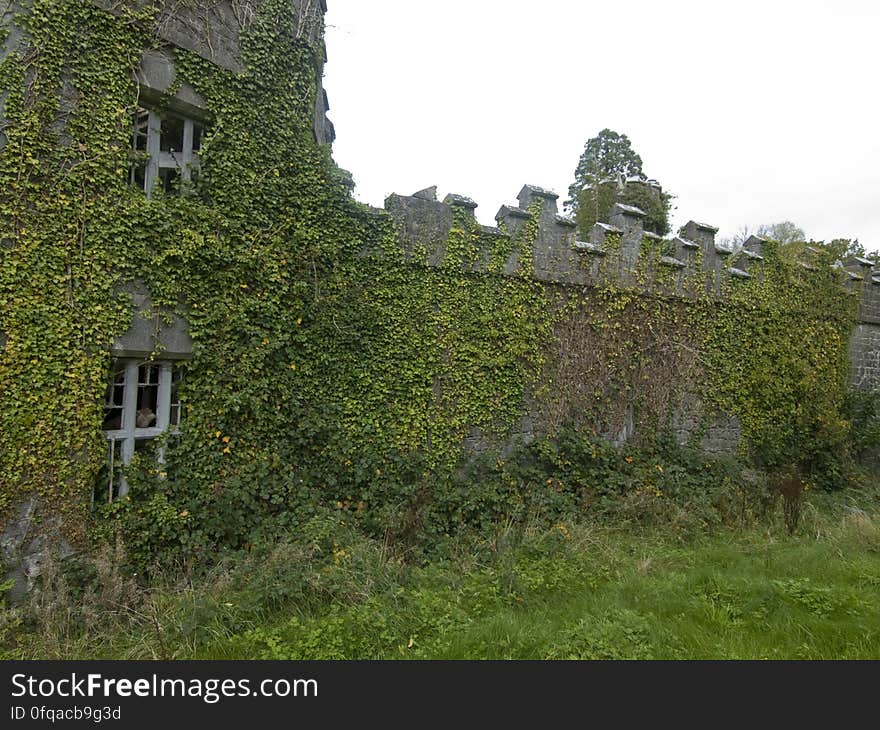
(122,441)
(185,161)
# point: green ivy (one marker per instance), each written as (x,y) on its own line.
(327,372)
(778,356)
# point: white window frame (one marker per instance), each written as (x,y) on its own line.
(185,160)
(121,442)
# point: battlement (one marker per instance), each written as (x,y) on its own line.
(545,246)
(618,251)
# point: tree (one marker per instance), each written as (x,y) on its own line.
(609,172)
(608,154)
(844,248)
(737,240)
(784,232)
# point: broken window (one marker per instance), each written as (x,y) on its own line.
(142,403)
(165,151)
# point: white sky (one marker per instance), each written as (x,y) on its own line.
(749,112)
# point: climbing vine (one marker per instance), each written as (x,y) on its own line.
(328,371)
(778,354)
(310,364)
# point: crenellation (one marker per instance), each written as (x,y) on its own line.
(848,276)
(700,233)
(628,210)
(601,231)
(423,227)
(492,231)
(429,193)
(619,250)
(553,257)
(532,194)
(755,244)
(672,262)
(747,262)
(678,269)
(685,250)
(557,275)
(461,203)
(590,248)
(858,262)
(512,219)
(869,304)
(630,221)
(714,257)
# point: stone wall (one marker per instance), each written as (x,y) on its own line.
(621,253)
(213,30)
(864,346)
(617,251)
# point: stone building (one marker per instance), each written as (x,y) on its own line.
(168,127)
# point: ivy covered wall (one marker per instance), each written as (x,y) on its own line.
(244,256)
(339,353)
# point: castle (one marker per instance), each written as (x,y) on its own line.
(540,328)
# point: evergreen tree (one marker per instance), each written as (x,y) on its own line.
(608,154)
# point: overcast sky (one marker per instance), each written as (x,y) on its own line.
(748,112)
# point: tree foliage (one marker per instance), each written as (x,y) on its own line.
(608,154)
(608,172)
(784,232)
(844,248)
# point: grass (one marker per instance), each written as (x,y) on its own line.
(582,591)
(609,596)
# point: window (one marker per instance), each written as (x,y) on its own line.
(142,403)
(165,151)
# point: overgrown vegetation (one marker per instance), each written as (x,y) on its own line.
(524,590)
(333,382)
(595,201)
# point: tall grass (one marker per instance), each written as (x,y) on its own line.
(573,591)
